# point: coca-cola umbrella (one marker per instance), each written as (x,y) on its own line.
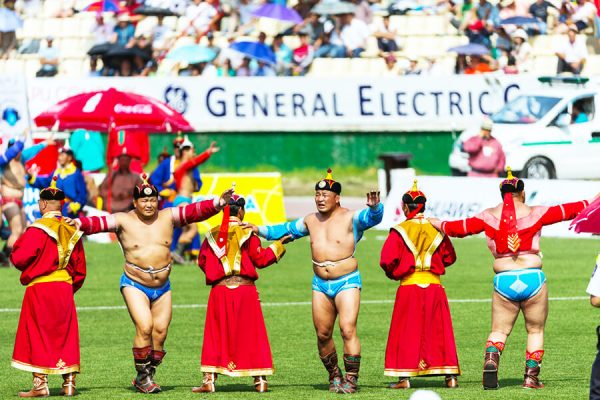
(112,109)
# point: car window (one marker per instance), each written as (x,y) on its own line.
(525,110)
(582,110)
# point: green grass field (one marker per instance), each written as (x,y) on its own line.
(106,334)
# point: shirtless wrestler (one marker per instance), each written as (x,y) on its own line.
(334,232)
(144,234)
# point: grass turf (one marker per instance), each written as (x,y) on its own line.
(106,335)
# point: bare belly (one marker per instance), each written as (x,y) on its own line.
(520,262)
(146,279)
(333,272)
(9,192)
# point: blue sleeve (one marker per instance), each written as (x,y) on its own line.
(80,189)
(365,219)
(273,232)
(11,153)
(197,178)
(158,178)
(32,151)
(42,181)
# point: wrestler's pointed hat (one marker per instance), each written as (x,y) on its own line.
(511,184)
(52,192)
(144,189)
(186,143)
(329,184)
(414,195)
(178,140)
(66,148)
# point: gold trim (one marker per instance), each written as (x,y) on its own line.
(278,249)
(41,370)
(227,267)
(409,373)
(51,229)
(60,275)
(236,373)
(421,263)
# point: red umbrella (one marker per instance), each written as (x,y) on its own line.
(589,219)
(112,109)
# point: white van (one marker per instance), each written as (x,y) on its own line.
(540,135)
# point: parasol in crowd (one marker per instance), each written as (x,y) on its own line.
(103,6)
(588,220)
(256,50)
(192,54)
(470,49)
(154,11)
(278,12)
(519,20)
(333,7)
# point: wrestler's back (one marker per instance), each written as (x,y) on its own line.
(523,260)
(332,239)
(187,185)
(146,244)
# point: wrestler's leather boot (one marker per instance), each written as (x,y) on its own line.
(143,382)
(40,387)
(352,365)
(68,386)
(451,381)
(208,384)
(330,362)
(155,361)
(531,380)
(403,383)
(260,384)
(490,370)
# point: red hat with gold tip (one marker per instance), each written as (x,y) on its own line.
(414,195)
(52,192)
(145,189)
(329,184)
(178,140)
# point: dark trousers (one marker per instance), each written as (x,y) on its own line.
(563,66)
(595,378)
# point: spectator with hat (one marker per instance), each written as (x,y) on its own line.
(572,53)
(124,31)
(116,190)
(522,51)
(69,180)
(486,157)
(48,59)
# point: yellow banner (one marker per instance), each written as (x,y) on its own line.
(262,191)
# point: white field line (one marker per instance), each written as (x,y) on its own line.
(293,303)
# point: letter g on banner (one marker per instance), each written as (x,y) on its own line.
(177,98)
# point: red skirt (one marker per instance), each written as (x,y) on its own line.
(235,336)
(421,340)
(47,339)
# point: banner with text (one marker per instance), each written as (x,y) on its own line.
(410,103)
(451,198)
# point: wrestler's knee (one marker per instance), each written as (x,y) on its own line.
(160,332)
(324,335)
(348,332)
(144,329)
(535,329)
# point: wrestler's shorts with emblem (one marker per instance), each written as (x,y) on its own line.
(519,284)
(153,293)
(332,287)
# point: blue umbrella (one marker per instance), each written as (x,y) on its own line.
(470,49)
(278,12)
(9,20)
(192,54)
(519,21)
(103,6)
(257,50)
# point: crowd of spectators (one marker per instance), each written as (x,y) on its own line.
(137,52)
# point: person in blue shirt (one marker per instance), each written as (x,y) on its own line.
(70,180)
(12,190)
(334,232)
(578,116)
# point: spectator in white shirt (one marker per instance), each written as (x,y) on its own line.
(522,50)
(102,30)
(48,59)
(160,34)
(584,14)
(386,36)
(354,35)
(202,15)
(571,53)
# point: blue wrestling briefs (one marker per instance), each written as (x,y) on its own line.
(332,287)
(153,294)
(520,284)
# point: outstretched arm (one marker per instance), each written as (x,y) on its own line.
(200,210)
(367,217)
(459,228)
(296,229)
(11,153)
(91,225)
(563,212)
(194,162)
(263,257)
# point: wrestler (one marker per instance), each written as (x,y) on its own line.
(513,231)
(13,186)
(334,232)
(235,336)
(50,257)
(145,236)
(421,339)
